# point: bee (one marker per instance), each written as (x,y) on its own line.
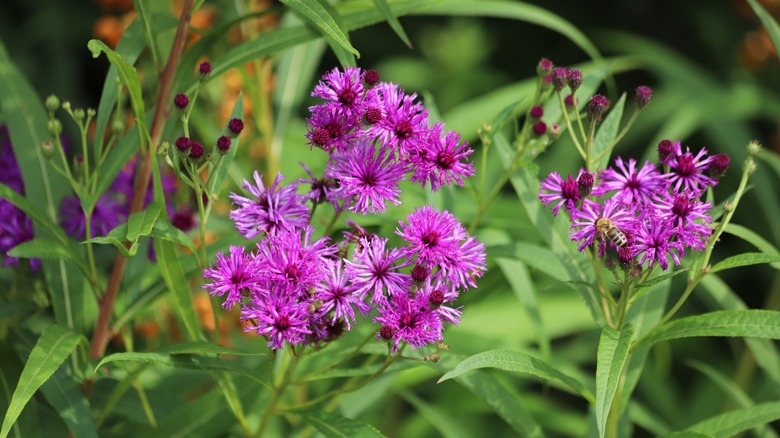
(608,231)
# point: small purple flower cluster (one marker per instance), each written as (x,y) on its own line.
(294,289)
(376,134)
(641,212)
(15,226)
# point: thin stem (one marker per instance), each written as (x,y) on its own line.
(572,134)
(288,363)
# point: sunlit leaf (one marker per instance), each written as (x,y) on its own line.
(744,323)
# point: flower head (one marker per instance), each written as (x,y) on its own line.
(277,317)
(632,185)
(432,236)
(656,243)
(236,275)
(564,191)
(686,171)
(404,125)
(410,320)
(687,216)
(339,297)
(584,223)
(271,209)
(442,160)
(375,269)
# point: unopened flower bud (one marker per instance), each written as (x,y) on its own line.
(585,184)
(55,127)
(597,106)
(180,101)
(539,128)
(625,256)
(554,132)
(436,299)
(728,206)
(718,165)
(635,271)
(753,148)
(751,166)
(569,101)
(163,149)
(223,144)
(196,150)
(643,96)
(204,71)
(78,114)
(545,67)
(560,76)
(536,112)
(235,126)
(371,78)
(665,151)
(52,103)
(420,273)
(373,115)
(386,332)
(547,82)
(609,263)
(117,127)
(91,112)
(183,144)
(66,105)
(435,358)
(574,79)
(47,148)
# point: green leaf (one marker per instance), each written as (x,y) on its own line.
(771,158)
(517,362)
(392,20)
(446,423)
(655,280)
(314,12)
(746,259)
(141,223)
(523,287)
(54,345)
(221,170)
(335,426)
(166,231)
(183,361)
(46,248)
(769,23)
(755,239)
(606,135)
(144,15)
(733,422)
(731,323)
(202,347)
(611,358)
(172,273)
(67,397)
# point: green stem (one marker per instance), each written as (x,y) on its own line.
(288,365)
(572,134)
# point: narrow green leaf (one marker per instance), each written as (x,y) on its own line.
(174,278)
(46,248)
(771,158)
(166,231)
(141,223)
(542,259)
(221,170)
(67,397)
(446,423)
(144,15)
(746,259)
(729,387)
(314,12)
(127,75)
(392,20)
(182,361)
(755,239)
(771,26)
(655,280)
(523,287)
(517,362)
(611,358)
(335,426)
(607,133)
(744,323)
(54,345)
(202,347)
(733,422)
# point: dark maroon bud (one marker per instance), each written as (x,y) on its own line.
(373,115)
(643,96)
(183,144)
(569,101)
(718,165)
(386,332)
(609,263)
(204,70)
(665,151)
(560,76)
(235,126)
(436,299)
(371,77)
(539,128)
(625,255)
(545,67)
(183,219)
(585,184)
(420,273)
(320,137)
(574,79)
(537,112)
(181,101)
(196,150)
(547,82)
(597,106)
(223,144)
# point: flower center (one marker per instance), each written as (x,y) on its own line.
(347,96)
(685,165)
(681,206)
(633,183)
(403,130)
(569,189)
(282,323)
(431,238)
(445,160)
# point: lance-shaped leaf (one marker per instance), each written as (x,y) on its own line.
(314,12)
(745,323)
(611,358)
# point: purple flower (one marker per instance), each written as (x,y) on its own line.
(367,177)
(321,189)
(433,236)
(566,192)
(109,212)
(686,171)
(410,320)
(463,268)
(271,209)
(441,160)
(375,269)
(331,129)
(656,243)
(344,91)
(584,228)
(440,293)
(338,295)
(687,217)
(15,226)
(632,186)
(404,125)
(236,275)
(278,317)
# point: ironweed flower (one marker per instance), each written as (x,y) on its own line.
(656,243)
(410,319)
(236,275)
(441,160)
(376,269)
(584,228)
(686,171)
(271,209)
(631,185)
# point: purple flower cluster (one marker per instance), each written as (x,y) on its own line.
(15,226)
(297,290)
(644,212)
(376,134)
